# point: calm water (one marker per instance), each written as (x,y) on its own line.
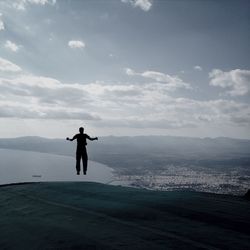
(26,166)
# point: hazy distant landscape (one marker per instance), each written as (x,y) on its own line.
(220,165)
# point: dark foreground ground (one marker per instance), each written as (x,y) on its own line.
(97,216)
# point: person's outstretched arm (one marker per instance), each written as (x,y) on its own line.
(68,139)
(91,138)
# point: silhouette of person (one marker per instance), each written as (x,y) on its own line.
(81,151)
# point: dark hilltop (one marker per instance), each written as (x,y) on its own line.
(87,215)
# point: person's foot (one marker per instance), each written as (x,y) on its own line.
(78,173)
(84,173)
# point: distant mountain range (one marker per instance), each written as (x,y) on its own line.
(143,152)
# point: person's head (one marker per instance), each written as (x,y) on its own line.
(81,129)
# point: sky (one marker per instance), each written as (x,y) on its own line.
(125,68)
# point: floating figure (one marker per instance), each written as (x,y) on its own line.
(81,151)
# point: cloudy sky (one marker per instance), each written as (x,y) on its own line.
(125,67)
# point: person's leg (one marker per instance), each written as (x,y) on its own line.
(85,161)
(78,160)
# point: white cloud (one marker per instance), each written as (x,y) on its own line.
(69,114)
(42,2)
(38,97)
(144,123)
(130,72)
(237,81)
(128,105)
(73,44)
(28,112)
(22,4)
(1,23)
(143,4)
(8,66)
(134,104)
(11,46)
(172,82)
(197,67)
(43,90)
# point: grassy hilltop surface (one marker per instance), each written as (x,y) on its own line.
(87,215)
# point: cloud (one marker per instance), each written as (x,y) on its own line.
(174,113)
(39,97)
(43,90)
(76,44)
(8,66)
(69,114)
(1,23)
(150,104)
(172,82)
(143,4)
(11,46)
(140,106)
(237,81)
(241,120)
(42,2)
(28,112)
(22,4)
(144,123)
(197,67)
(130,72)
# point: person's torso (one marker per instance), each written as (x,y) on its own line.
(81,140)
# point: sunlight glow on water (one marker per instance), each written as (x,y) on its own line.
(26,166)
(178,178)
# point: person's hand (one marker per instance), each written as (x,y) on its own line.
(96,138)
(67,138)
